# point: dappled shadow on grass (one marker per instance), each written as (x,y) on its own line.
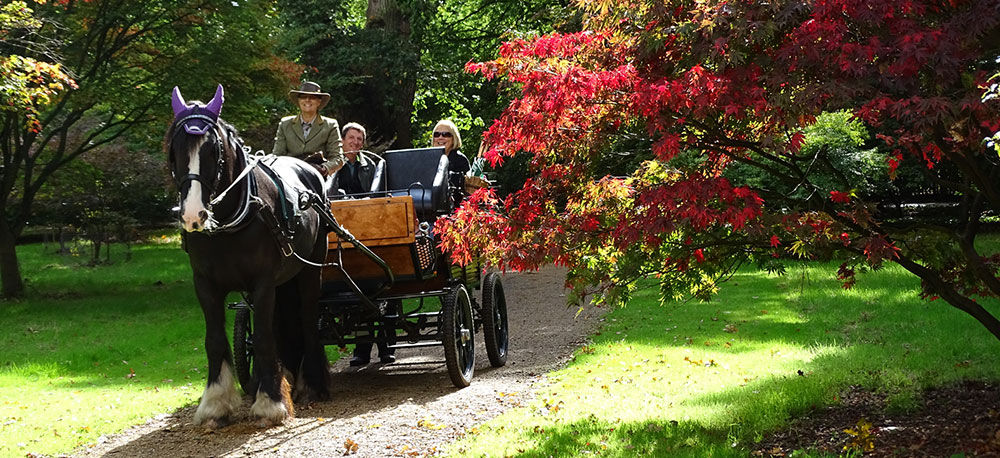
(818,339)
(591,436)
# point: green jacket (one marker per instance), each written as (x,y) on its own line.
(324,137)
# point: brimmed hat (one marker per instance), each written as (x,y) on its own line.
(309,88)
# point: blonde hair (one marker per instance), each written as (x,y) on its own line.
(450,126)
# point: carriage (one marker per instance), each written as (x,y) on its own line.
(383,273)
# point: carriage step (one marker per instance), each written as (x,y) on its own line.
(435,343)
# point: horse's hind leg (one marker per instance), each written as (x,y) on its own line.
(220,398)
(273,401)
(315,368)
(287,327)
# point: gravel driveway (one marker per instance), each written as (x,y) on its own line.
(409,408)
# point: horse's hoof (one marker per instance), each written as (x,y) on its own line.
(212,424)
(265,423)
(269,412)
(308,395)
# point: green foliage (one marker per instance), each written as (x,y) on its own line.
(125,58)
(29,75)
(414,75)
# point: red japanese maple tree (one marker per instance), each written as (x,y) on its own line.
(697,86)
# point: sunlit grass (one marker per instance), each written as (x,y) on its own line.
(712,379)
(93,350)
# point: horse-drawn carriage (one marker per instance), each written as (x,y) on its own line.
(315,272)
(383,264)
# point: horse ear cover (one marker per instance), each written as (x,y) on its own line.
(177,101)
(215,105)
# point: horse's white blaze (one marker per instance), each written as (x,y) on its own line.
(192,206)
(220,399)
(265,408)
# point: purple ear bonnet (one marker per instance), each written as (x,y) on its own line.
(196,118)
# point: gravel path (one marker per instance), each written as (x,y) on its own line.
(409,408)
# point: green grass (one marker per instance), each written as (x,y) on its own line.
(92,350)
(711,379)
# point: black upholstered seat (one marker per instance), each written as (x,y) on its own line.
(421,173)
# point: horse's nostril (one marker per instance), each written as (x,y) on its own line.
(203,215)
(196,226)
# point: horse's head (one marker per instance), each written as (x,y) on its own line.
(195,154)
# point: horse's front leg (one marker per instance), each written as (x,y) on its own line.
(273,402)
(220,398)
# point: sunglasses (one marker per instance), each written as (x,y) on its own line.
(442,134)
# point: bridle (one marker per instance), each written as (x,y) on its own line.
(180,125)
(242,214)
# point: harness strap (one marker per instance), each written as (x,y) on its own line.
(281,237)
(286,213)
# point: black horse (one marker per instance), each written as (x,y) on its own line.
(243,232)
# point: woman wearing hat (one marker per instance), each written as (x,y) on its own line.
(308,135)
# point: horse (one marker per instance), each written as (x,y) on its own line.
(240,230)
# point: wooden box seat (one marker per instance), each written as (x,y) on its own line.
(388,227)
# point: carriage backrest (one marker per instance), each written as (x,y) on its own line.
(421,173)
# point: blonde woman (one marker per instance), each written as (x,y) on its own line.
(446,135)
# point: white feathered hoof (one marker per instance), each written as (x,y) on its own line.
(219,401)
(270,412)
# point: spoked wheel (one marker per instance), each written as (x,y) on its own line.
(243,348)
(495,320)
(457,335)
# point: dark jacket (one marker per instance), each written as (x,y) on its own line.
(363,173)
(458,165)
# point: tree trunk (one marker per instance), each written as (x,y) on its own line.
(388,17)
(10,269)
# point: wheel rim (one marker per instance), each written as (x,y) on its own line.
(500,319)
(464,333)
(243,349)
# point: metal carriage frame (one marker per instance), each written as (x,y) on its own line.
(382,251)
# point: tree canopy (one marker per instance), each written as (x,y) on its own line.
(692,88)
(94,72)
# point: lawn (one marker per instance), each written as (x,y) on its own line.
(712,378)
(93,350)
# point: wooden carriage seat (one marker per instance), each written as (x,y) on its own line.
(387,226)
(421,173)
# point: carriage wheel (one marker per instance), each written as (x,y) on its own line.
(243,347)
(458,336)
(495,320)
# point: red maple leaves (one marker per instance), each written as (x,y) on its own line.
(722,82)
